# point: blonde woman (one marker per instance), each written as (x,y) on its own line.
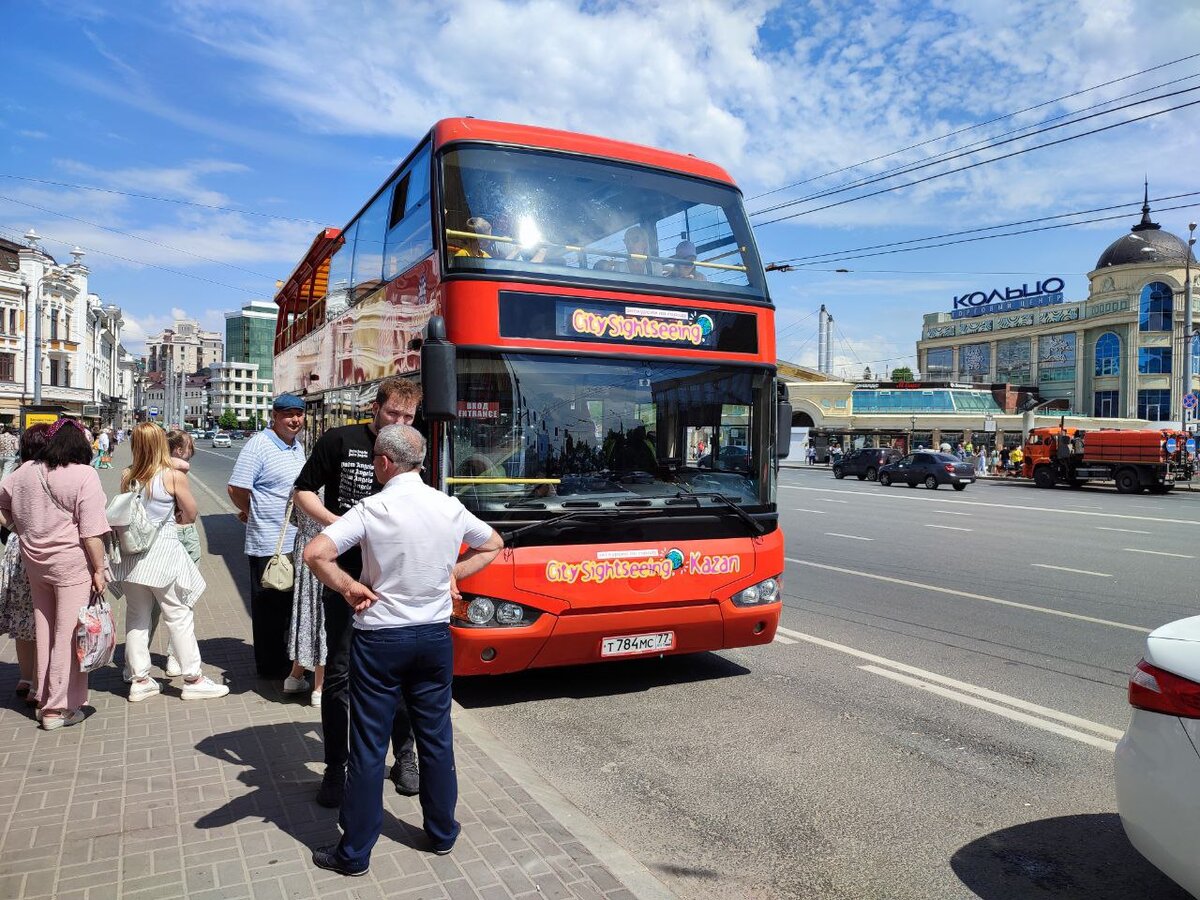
(164,574)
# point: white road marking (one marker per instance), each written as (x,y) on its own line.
(950,527)
(780,639)
(827,500)
(221,502)
(1072,571)
(946,512)
(1159,553)
(816,512)
(1123,530)
(927,498)
(852,537)
(962,690)
(996,708)
(957,593)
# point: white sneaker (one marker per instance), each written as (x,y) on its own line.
(173,670)
(295,685)
(316,698)
(140,690)
(204,689)
(74,717)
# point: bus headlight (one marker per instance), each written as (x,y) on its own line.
(480,611)
(766,591)
(487,612)
(509,614)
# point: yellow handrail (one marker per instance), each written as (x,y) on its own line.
(458,480)
(473,236)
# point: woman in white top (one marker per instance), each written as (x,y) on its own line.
(164,573)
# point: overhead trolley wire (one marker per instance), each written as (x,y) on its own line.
(822,257)
(984,162)
(967,128)
(988,143)
(100,190)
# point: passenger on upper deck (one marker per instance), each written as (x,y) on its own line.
(474,246)
(685,263)
(637,244)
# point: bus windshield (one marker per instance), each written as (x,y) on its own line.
(544,431)
(544,214)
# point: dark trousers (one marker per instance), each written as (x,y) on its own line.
(413,665)
(335,696)
(270,619)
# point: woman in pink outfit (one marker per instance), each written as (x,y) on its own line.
(56,506)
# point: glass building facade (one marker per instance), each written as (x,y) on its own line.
(250,337)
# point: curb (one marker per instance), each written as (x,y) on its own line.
(636,878)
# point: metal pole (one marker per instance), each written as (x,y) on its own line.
(1188,325)
(37,345)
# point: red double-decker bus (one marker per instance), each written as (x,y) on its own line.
(591,324)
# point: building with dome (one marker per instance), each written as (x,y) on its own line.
(1116,355)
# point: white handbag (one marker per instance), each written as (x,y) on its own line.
(127,517)
(280,574)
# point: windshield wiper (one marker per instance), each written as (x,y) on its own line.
(590,512)
(716,495)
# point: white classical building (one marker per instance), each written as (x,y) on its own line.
(184,347)
(237,386)
(48,316)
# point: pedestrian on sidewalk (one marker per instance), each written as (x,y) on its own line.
(56,505)
(163,574)
(16,602)
(306,637)
(410,535)
(260,487)
(10,449)
(342,467)
(104,444)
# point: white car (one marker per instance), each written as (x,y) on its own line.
(1157,761)
(221,439)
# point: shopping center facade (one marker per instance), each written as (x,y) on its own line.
(1114,359)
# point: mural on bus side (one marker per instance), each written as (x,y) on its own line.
(378,337)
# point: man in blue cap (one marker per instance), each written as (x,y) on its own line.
(260,487)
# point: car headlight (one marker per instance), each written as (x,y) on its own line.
(766,591)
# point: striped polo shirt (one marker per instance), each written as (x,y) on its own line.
(267,468)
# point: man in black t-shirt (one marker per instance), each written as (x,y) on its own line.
(341,463)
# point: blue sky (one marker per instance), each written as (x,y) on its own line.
(283,115)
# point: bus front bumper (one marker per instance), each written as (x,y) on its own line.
(579,638)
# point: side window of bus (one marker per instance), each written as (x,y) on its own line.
(368,247)
(410,234)
(340,266)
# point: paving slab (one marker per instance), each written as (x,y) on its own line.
(215,799)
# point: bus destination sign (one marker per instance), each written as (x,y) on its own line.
(601,321)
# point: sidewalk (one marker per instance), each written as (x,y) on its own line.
(214,799)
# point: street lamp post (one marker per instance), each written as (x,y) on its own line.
(1188,325)
(911,432)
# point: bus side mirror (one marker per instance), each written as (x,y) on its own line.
(783,429)
(439,374)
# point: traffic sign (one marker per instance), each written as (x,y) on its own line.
(153,411)
(1191,445)
(1172,446)
(1190,401)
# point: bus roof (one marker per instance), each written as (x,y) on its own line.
(449,131)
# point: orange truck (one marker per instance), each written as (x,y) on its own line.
(1153,460)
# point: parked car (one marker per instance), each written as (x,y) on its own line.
(221,439)
(730,458)
(865,463)
(1157,766)
(930,469)
(238,435)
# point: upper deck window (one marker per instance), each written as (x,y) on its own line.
(547,215)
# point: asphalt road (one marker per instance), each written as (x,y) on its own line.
(935,719)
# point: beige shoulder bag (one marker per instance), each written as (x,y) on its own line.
(280,574)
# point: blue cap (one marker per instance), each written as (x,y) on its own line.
(287,401)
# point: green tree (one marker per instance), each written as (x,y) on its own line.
(228,419)
(902,373)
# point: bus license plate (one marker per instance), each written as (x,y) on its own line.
(637,643)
